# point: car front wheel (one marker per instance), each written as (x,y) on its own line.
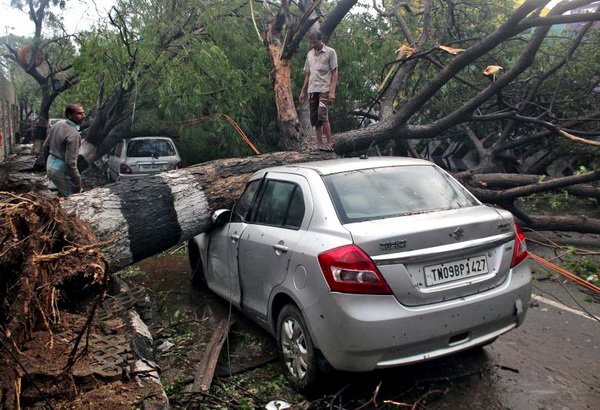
(297,350)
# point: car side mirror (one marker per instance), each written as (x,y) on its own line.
(220,217)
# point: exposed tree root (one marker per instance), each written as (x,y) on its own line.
(48,258)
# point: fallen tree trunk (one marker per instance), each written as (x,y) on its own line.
(576,223)
(497,180)
(143,217)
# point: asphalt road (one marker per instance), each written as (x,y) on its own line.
(551,362)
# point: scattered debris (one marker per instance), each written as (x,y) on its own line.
(510,369)
(206,369)
(277,405)
(166,346)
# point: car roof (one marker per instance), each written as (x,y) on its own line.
(150,137)
(334,166)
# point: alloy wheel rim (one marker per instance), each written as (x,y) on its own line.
(294,348)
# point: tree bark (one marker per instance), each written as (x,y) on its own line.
(289,123)
(576,223)
(499,197)
(491,181)
(149,215)
(145,216)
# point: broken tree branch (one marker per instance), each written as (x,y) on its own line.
(206,369)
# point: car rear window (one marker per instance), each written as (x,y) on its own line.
(150,148)
(379,193)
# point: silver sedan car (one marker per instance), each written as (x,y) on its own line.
(142,156)
(366,263)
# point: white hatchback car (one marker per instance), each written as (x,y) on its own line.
(141,156)
(366,264)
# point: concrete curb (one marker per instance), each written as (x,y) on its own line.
(143,367)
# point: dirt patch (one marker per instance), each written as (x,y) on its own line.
(182,320)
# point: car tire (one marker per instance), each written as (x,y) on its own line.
(297,351)
(197,271)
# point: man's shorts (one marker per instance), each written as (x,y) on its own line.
(319,108)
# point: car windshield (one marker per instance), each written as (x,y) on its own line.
(150,148)
(379,193)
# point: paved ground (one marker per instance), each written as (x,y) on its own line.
(551,362)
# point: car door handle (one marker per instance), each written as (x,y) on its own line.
(281,248)
(235,237)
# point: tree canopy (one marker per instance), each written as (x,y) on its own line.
(477,86)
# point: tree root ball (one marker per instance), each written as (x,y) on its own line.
(47,258)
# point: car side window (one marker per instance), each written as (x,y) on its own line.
(295,213)
(281,204)
(241,210)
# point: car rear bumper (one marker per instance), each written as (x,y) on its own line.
(138,175)
(365,332)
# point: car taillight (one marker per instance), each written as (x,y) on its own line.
(179,165)
(348,269)
(124,169)
(520,252)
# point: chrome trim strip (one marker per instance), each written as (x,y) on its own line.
(464,299)
(443,352)
(474,245)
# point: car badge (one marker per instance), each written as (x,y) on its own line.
(458,233)
(389,245)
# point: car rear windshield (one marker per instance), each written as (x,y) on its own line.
(379,193)
(150,148)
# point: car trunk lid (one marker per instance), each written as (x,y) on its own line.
(441,255)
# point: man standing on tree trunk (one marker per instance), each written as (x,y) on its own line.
(321,70)
(61,148)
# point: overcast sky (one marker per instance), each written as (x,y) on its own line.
(78,15)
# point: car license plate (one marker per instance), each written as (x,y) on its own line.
(455,270)
(152,167)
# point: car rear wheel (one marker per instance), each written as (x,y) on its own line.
(297,351)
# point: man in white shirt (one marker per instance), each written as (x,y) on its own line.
(321,78)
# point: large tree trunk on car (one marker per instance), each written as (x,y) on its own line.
(145,216)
